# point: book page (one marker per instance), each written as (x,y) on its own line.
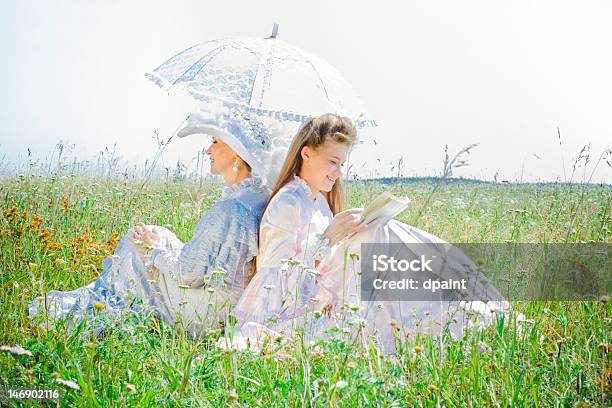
(385,205)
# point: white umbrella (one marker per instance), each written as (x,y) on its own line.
(265,76)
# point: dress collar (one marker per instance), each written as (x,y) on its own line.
(253,183)
(303,185)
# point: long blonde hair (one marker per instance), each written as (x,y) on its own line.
(314,134)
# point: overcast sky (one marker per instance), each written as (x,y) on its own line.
(500,74)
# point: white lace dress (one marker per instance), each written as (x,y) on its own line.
(196,282)
(282,295)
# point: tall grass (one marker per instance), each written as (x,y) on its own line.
(560,358)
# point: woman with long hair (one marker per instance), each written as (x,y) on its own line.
(307,241)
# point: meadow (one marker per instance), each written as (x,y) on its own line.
(55,230)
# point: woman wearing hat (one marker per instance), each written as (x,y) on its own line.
(196,282)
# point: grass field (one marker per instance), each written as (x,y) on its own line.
(56,231)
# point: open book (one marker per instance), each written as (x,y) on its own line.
(385,205)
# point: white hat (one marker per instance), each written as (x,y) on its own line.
(246,134)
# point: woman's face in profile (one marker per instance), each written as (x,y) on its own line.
(321,167)
(221,156)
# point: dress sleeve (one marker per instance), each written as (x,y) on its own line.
(224,241)
(316,248)
(283,283)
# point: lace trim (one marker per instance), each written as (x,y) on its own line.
(300,182)
(303,184)
(253,183)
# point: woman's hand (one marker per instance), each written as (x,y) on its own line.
(145,235)
(344,224)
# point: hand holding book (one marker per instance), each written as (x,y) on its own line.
(343,224)
(384,206)
(349,222)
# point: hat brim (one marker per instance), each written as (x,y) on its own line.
(215,131)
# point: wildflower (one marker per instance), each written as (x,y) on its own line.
(219,272)
(66,204)
(605,382)
(393,323)
(355,308)
(350,365)
(131,388)
(340,385)
(294,262)
(483,348)
(327,309)
(312,272)
(55,375)
(529,321)
(90,345)
(53,246)
(68,383)
(432,387)
(418,349)
(358,322)
(232,396)
(317,351)
(17,350)
(99,306)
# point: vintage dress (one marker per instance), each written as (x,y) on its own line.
(196,282)
(282,294)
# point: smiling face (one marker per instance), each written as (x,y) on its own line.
(222,157)
(322,166)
